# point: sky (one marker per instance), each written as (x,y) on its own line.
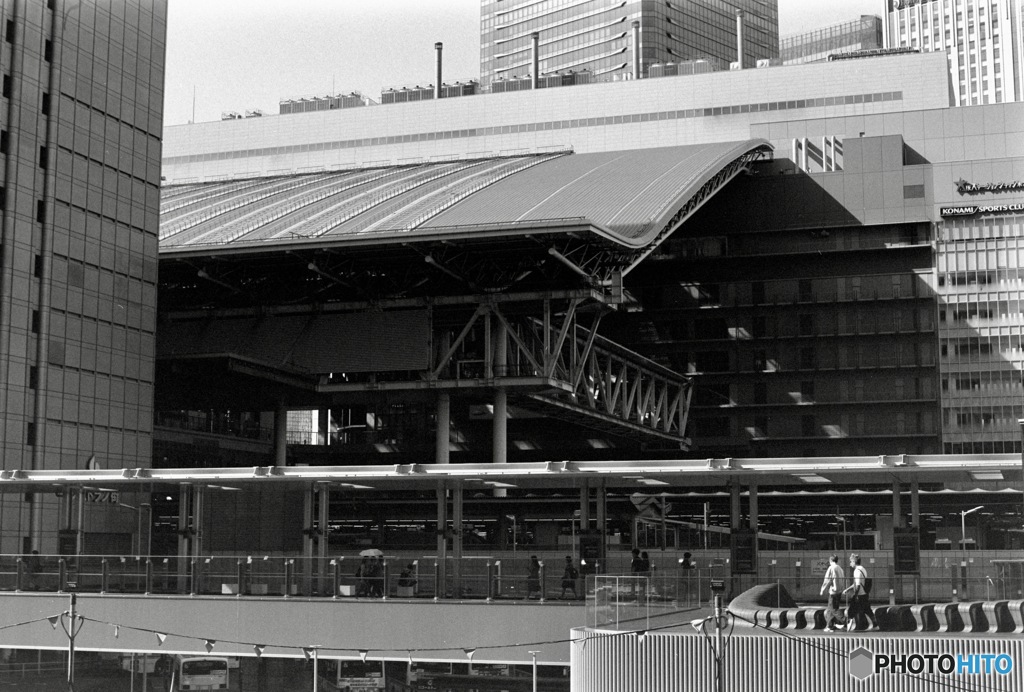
(239,55)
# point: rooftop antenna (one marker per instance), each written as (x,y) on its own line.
(193,103)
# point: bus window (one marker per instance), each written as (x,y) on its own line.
(352,676)
(201,673)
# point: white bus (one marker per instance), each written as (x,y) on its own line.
(351,676)
(193,673)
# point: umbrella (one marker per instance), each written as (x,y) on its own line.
(372,552)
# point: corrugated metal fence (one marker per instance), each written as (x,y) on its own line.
(775,662)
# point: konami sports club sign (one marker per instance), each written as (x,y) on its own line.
(972,209)
(966,188)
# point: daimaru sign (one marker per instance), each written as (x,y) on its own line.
(972,209)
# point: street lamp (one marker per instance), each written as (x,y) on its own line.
(963,526)
(575,515)
(534,655)
(513,518)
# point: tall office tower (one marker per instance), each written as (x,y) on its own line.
(597,35)
(864,33)
(983,38)
(81,118)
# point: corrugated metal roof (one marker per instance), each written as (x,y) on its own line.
(627,196)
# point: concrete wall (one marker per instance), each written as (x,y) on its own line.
(715,107)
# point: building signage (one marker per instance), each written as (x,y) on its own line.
(904,4)
(966,188)
(972,209)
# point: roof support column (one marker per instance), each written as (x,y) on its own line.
(324,424)
(308,538)
(753,508)
(324,512)
(280,434)
(735,516)
(442,436)
(198,497)
(602,521)
(585,506)
(442,539)
(897,512)
(500,424)
(184,534)
(457,536)
(915,505)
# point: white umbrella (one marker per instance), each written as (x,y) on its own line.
(372,552)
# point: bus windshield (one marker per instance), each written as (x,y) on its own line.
(203,666)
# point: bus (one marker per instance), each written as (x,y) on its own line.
(344,675)
(200,673)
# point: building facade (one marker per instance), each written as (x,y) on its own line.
(82,121)
(984,42)
(848,341)
(597,37)
(854,35)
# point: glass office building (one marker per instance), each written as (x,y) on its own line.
(82,119)
(984,41)
(597,37)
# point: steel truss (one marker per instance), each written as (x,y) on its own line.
(556,362)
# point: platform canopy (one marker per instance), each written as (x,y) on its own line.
(437,227)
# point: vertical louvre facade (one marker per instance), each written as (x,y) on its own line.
(981,313)
(860,34)
(81,118)
(984,40)
(596,35)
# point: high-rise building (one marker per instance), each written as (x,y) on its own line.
(597,36)
(984,42)
(864,33)
(82,118)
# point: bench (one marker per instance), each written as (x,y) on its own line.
(998,615)
(796,619)
(948,616)
(1015,611)
(973,616)
(814,618)
(924,617)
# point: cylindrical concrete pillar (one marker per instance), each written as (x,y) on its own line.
(438,47)
(280,434)
(753,508)
(735,514)
(534,59)
(636,49)
(897,510)
(739,38)
(442,439)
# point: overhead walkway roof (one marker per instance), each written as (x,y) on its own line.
(625,197)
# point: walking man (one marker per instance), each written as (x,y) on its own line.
(859,598)
(833,583)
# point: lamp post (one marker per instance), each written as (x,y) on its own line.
(534,655)
(513,518)
(963,526)
(575,516)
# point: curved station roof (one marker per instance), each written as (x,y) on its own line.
(625,197)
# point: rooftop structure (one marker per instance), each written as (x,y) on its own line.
(853,35)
